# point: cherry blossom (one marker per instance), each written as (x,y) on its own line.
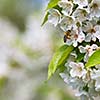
(54,16)
(77,69)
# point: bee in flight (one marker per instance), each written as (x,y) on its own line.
(67,35)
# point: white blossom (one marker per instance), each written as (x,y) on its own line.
(54,16)
(80,14)
(78,37)
(92,31)
(67,23)
(77,69)
(67,7)
(95,8)
(76,83)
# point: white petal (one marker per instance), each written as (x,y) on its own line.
(95,74)
(66,7)
(82,49)
(93,38)
(75,43)
(81,37)
(88,37)
(69,42)
(72,64)
(95,11)
(97,84)
(81,2)
(53,20)
(81,64)
(87,26)
(67,23)
(54,16)
(94,47)
(62,75)
(65,77)
(80,14)
(86,57)
(73,73)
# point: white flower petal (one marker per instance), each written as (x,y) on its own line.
(73,73)
(69,42)
(54,16)
(95,8)
(66,6)
(88,37)
(77,69)
(81,37)
(82,49)
(75,43)
(67,23)
(82,3)
(80,14)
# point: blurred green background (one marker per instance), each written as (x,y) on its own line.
(25,52)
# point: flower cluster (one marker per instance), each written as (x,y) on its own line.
(80,21)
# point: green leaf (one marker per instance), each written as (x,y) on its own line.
(80,56)
(52,3)
(45,19)
(62,69)
(94,59)
(59,59)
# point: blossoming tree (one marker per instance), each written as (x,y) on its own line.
(79,57)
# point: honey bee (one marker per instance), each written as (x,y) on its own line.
(66,35)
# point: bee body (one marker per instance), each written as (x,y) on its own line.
(66,36)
